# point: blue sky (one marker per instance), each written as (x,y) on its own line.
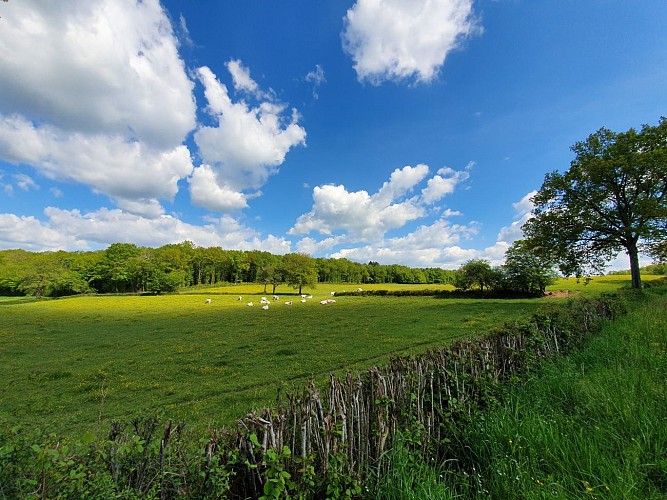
(399,131)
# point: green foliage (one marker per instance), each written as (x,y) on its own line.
(613,198)
(525,271)
(473,273)
(126,268)
(585,427)
(340,482)
(278,480)
(299,271)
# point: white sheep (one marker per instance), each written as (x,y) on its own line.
(207,301)
(303,296)
(310,296)
(303,300)
(265,307)
(275,297)
(359,290)
(240,298)
(250,304)
(324,302)
(331,301)
(288,303)
(333,293)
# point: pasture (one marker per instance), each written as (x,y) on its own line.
(72,365)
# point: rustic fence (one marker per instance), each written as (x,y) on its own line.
(324,442)
(355,418)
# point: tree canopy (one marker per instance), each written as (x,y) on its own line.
(612,198)
(127,268)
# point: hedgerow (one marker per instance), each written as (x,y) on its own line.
(332,442)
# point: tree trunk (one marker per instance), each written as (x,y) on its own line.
(634,266)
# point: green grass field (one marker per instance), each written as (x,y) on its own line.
(71,365)
(589,425)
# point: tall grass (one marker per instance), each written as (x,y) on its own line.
(592,425)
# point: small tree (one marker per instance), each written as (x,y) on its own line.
(299,270)
(524,271)
(270,275)
(613,198)
(476,272)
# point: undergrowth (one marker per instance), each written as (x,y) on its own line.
(589,425)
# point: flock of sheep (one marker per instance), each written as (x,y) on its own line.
(265,302)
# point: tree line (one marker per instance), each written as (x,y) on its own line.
(127,268)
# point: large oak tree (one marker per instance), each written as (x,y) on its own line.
(611,199)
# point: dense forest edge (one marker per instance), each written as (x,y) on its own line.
(127,268)
(349,439)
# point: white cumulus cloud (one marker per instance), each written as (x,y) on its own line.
(246,146)
(122,169)
(365,217)
(434,245)
(76,230)
(522,209)
(444,183)
(206,191)
(405,39)
(241,77)
(96,93)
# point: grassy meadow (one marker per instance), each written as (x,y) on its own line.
(72,365)
(592,424)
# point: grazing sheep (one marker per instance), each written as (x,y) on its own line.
(207,301)
(310,296)
(265,307)
(303,296)
(288,303)
(331,301)
(303,300)
(263,300)
(250,304)
(275,297)
(324,302)
(240,298)
(333,293)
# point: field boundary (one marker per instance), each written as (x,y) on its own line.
(328,441)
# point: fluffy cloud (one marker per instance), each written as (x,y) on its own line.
(444,183)
(246,146)
(95,92)
(31,234)
(405,39)
(365,217)
(205,191)
(434,245)
(522,209)
(74,230)
(122,169)
(241,77)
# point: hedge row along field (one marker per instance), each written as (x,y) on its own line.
(326,443)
